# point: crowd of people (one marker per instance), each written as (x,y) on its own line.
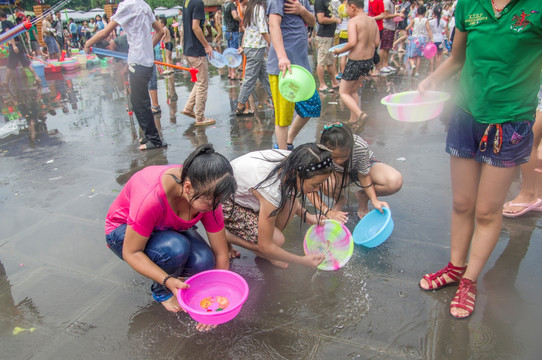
(249,201)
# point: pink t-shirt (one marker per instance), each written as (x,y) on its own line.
(143,205)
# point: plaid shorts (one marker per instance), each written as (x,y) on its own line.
(502,145)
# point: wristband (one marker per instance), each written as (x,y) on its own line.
(166,279)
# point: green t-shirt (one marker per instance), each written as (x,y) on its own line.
(31,33)
(500,78)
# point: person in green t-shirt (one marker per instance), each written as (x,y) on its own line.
(498,49)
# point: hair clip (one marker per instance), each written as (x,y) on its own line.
(335,124)
(327,162)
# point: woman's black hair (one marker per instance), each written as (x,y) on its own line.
(339,136)
(302,163)
(421,10)
(438,13)
(210,174)
(249,11)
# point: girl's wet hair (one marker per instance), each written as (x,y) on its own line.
(339,136)
(210,174)
(305,162)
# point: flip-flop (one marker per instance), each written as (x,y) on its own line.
(189,114)
(205,122)
(326,90)
(534,206)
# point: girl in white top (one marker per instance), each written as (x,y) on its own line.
(440,34)
(421,36)
(269,184)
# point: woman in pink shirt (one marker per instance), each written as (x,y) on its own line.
(151,223)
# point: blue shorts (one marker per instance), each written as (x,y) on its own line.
(309,108)
(233,39)
(502,145)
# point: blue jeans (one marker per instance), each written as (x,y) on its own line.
(233,39)
(177,253)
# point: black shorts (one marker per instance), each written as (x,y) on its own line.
(169,46)
(354,69)
(15,58)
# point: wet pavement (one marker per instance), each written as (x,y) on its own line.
(64,295)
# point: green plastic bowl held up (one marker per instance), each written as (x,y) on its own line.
(297,86)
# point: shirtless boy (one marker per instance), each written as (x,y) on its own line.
(363,39)
(168,45)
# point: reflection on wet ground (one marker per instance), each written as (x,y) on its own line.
(64,295)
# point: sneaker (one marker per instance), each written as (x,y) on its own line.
(339,76)
(385,70)
(391,68)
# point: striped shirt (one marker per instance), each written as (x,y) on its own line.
(361,157)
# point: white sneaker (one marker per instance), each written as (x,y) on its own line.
(385,70)
(391,68)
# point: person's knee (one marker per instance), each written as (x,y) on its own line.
(202,257)
(396,182)
(278,237)
(463,205)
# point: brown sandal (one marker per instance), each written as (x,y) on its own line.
(463,299)
(455,273)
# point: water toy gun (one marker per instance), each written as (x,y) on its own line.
(15,31)
(116,54)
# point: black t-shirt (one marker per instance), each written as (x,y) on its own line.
(122,44)
(7,25)
(194,10)
(324,30)
(232,25)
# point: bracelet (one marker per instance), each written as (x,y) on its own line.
(368,186)
(328,210)
(304,216)
(166,279)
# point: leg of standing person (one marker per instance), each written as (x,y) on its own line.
(252,70)
(531,181)
(195,106)
(141,103)
(305,110)
(284,111)
(153,91)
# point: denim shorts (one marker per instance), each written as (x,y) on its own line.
(153,82)
(233,39)
(501,145)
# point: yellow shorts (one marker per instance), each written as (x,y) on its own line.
(284,109)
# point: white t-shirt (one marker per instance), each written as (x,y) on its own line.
(249,170)
(438,29)
(136,19)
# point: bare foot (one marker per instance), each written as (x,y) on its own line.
(280,264)
(234,254)
(171,304)
(363,200)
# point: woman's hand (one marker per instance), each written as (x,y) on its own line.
(175,284)
(379,205)
(339,216)
(313,260)
(426,85)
